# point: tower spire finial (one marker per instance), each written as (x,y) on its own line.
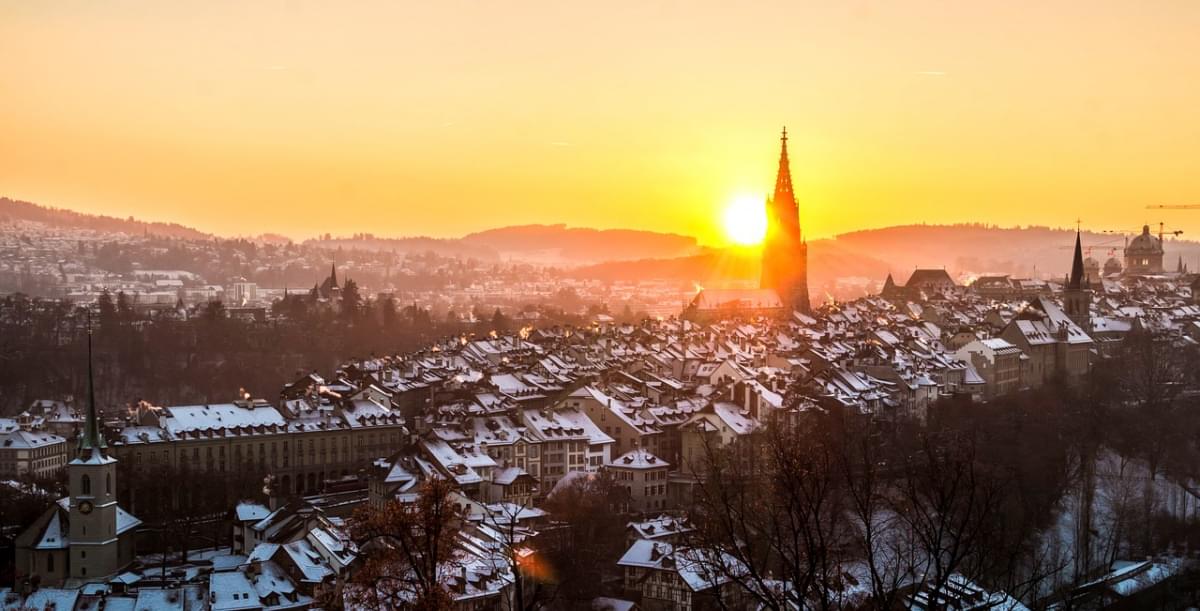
(784,197)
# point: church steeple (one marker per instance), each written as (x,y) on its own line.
(92,439)
(1077,296)
(1076,281)
(100,534)
(784,253)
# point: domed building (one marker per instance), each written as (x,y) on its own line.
(1112,266)
(1144,254)
(1091,269)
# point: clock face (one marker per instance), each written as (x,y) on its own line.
(85,507)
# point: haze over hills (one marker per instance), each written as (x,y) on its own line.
(866,256)
(545,244)
(11,209)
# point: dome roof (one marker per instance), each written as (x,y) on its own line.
(1090,262)
(1144,244)
(1112,265)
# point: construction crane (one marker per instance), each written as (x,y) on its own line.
(1171,207)
(1108,244)
(1161,231)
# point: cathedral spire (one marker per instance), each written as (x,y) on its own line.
(1076,280)
(92,439)
(783,179)
(784,253)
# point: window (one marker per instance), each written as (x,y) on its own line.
(85,485)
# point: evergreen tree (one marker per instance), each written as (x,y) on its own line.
(388,309)
(108,311)
(351,300)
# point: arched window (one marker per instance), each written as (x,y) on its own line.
(85,485)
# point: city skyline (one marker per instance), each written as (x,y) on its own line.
(301,119)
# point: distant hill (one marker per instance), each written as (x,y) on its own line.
(11,209)
(575,245)
(972,250)
(545,244)
(828,262)
(966,251)
(862,257)
(445,247)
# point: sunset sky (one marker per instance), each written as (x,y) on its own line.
(441,118)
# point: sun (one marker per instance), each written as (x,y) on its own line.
(745,220)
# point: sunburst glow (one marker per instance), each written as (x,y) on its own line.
(745,220)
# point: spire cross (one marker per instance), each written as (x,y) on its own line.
(784,137)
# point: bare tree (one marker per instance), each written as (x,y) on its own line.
(406,551)
(775,503)
(948,502)
(533,587)
(592,534)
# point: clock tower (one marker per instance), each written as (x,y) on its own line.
(95,542)
(85,536)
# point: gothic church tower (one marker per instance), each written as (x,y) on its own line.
(785,253)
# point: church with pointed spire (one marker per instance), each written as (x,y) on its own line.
(1077,295)
(783,284)
(785,252)
(86,536)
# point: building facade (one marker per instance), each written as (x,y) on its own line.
(35,454)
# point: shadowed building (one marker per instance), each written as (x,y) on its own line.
(923,284)
(785,253)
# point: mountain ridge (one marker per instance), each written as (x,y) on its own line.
(965,250)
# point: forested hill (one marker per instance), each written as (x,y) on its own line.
(16,210)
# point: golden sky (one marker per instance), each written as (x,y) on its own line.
(440,118)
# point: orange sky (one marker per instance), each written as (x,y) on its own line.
(442,118)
